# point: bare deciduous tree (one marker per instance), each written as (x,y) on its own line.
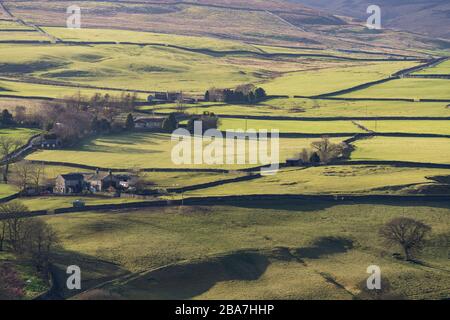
(20,114)
(38,241)
(37,176)
(407,233)
(2,233)
(22,172)
(8,147)
(28,175)
(327,150)
(12,217)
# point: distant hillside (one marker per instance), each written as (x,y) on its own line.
(272,22)
(429,17)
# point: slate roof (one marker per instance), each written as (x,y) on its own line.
(72,176)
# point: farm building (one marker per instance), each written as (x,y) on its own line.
(69,183)
(149,123)
(49,141)
(74,183)
(102,181)
(168,96)
(99,181)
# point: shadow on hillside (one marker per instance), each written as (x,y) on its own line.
(93,273)
(188,280)
(325,246)
(285,205)
(318,204)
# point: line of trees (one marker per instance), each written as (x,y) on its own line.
(76,117)
(242,94)
(209,121)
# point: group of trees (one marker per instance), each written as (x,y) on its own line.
(209,121)
(28,175)
(241,94)
(76,117)
(29,238)
(6,118)
(324,151)
(170,123)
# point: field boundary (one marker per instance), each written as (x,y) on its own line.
(285,118)
(252,199)
(404,73)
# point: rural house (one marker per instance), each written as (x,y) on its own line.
(149,123)
(168,96)
(102,181)
(69,183)
(99,181)
(49,141)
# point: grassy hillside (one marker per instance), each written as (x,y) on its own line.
(315,127)
(145,68)
(328,80)
(331,180)
(428,127)
(146,150)
(317,108)
(442,68)
(432,150)
(266,248)
(33,90)
(110,35)
(140,241)
(407,89)
(22,134)
(421,16)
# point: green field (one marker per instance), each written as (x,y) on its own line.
(146,150)
(442,68)
(149,239)
(405,126)
(110,35)
(12,25)
(406,89)
(22,35)
(332,180)
(22,89)
(22,134)
(52,203)
(316,127)
(145,68)
(7,190)
(316,82)
(433,150)
(316,108)
(272,247)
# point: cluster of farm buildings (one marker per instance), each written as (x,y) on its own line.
(77,183)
